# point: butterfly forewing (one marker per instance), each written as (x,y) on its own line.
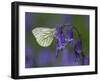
(44,36)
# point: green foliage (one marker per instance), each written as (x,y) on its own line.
(80,23)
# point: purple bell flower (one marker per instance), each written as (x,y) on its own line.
(78,47)
(70,35)
(60,38)
(67,36)
(78,51)
(60,44)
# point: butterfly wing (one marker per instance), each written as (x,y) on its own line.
(44,36)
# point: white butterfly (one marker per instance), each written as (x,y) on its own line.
(44,36)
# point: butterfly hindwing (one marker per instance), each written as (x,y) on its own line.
(44,36)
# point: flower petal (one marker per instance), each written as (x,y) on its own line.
(78,47)
(70,35)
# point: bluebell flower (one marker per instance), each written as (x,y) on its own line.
(78,47)
(60,40)
(78,52)
(69,36)
(60,37)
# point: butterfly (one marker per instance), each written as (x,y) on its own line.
(44,36)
